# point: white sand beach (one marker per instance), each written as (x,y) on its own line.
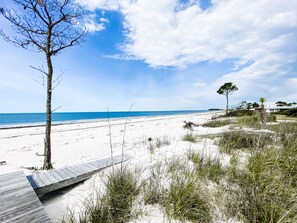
(77,143)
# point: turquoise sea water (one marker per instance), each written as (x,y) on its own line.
(16,119)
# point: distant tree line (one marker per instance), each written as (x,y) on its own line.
(283,103)
(248,105)
(256,105)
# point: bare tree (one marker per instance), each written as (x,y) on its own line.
(47,26)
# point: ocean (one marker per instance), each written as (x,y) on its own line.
(24,119)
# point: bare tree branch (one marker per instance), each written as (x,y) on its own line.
(40,69)
(57,108)
(57,81)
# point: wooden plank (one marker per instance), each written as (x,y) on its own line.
(91,167)
(56,175)
(16,192)
(52,180)
(7,190)
(71,170)
(28,203)
(32,216)
(83,168)
(94,165)
(66,173)
(42,179)
(9,180)
(18,201)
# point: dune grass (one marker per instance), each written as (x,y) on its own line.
(206,168)
(217,123)
(190,137)
(254,121)
(188,200)
(158,143)
(266,190)
(153,189)
(286,118)
(241,140)
(115,205)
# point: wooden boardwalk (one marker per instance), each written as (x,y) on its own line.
(18,201)
(56,179)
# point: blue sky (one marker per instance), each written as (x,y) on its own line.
(163,55)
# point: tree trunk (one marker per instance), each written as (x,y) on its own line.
(47,142)
(227,106)
(263,114)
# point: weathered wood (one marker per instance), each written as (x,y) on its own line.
(56,179)
(18,201)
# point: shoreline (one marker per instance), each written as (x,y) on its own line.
(83,121)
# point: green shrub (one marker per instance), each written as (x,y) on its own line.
(292,112)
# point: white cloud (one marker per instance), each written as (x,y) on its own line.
(163,36)
(91,24)
(121,57)
(102,4)
(104,20)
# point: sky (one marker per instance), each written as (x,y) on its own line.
(162,55)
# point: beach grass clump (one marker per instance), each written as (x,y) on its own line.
(232,169)
(115,205)
(122,189)
(176,165)
(265,191)
(217,123)
(190,137)
(187,200)
(153,189)
(286,132)
(254,121)
(207,168)
(237,140)
(288,162)
(211,169)
(271,118)
(158,143)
